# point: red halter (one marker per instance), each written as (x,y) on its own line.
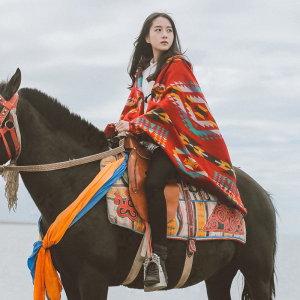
(8,126)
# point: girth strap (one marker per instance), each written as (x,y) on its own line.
(138,261)
(143,252)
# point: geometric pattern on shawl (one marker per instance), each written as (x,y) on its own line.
(178,119)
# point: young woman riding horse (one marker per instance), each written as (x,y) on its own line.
(94,255)
(169,114)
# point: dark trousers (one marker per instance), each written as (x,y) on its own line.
(159,173)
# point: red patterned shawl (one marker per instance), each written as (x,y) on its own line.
(179,120)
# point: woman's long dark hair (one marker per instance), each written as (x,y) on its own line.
(143,50)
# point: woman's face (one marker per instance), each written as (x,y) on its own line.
(160,36)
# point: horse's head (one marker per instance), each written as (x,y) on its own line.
(8,101)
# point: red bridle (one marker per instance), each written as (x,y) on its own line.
(8,126)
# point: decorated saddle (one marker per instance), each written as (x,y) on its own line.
(213,220)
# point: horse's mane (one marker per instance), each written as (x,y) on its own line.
(2,84)
(60,118)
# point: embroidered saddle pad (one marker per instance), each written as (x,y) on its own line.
(213,220)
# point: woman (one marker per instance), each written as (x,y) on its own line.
(167,108)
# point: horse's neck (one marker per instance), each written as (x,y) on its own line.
(52,191)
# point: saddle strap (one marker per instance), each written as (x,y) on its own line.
(190,217)
(186,270)
(141,254)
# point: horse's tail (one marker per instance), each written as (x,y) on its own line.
(273,278)
(246,295)
(272,283)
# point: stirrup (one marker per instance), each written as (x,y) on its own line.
(163,278)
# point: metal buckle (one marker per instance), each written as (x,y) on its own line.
(7,124)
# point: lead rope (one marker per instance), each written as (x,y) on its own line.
(64,164)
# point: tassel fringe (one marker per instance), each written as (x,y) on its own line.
(11,187)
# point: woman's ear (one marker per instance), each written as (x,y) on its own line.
(147,39)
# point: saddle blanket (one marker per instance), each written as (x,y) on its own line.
(213,220)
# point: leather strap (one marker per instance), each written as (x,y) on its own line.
(2,134)
(138,261)
(12,131)
(190,217)
(186,270)
(15,140)
(7,107)
(143,252)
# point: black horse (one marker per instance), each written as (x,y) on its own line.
(95,254)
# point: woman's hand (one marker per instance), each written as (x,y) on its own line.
(122,126)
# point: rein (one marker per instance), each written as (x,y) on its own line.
(12,126)
(65,164)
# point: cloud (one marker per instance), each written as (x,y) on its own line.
(99,116)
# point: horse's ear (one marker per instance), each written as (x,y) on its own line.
(14,83)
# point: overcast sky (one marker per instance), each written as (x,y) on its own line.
(245,56)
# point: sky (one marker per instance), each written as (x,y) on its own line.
(245,56)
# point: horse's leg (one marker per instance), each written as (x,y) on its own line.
(258,289)
(93,283)
(258,270)
(218,286)
(256,257)
(256,262)
(70,288)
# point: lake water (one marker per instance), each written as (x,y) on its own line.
(15,280)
